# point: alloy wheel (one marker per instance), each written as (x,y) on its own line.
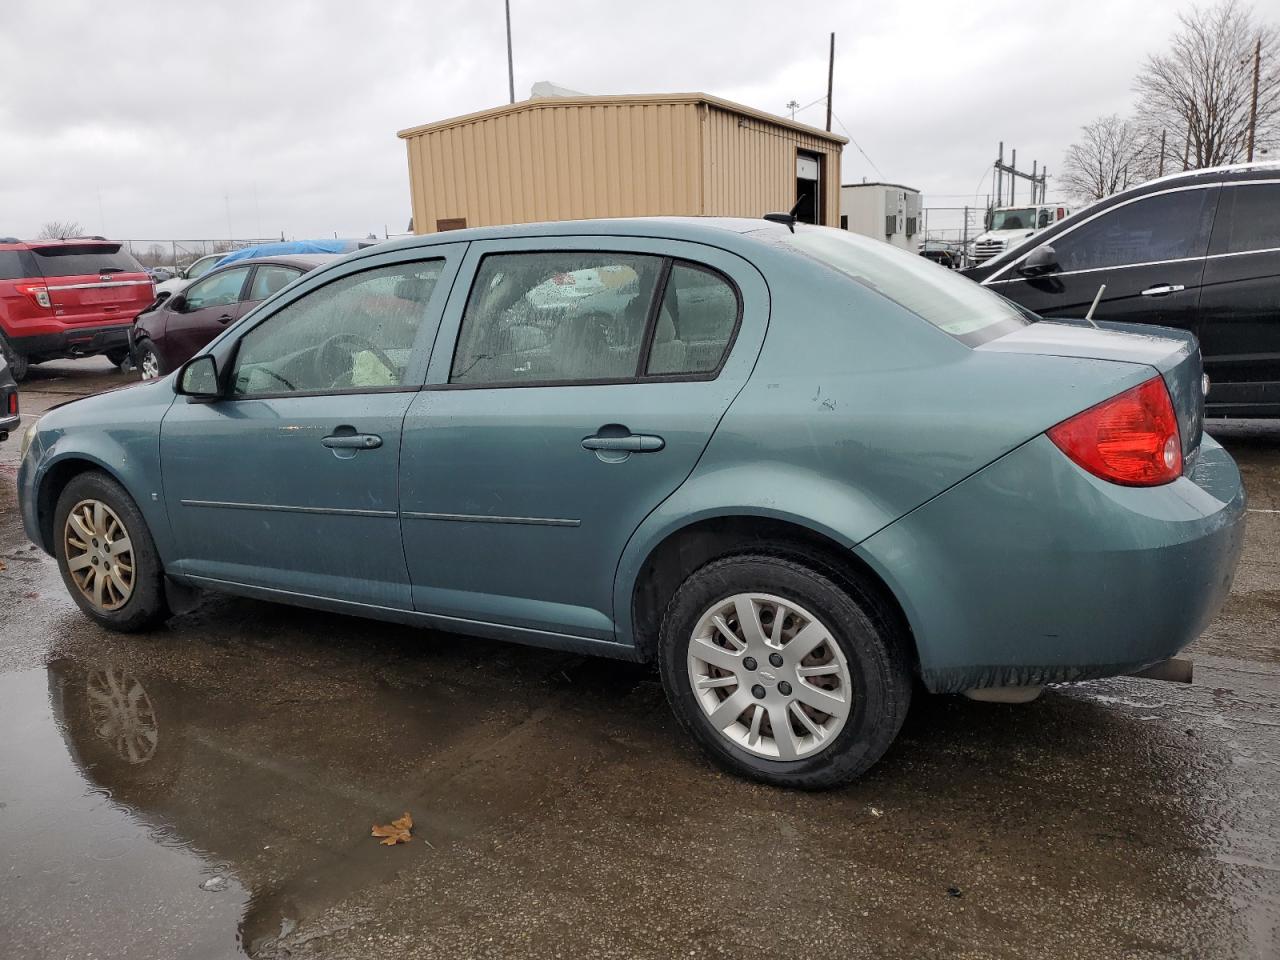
(149,365)
(122,714)
(99,554)
(769,676)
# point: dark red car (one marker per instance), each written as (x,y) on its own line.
(173,331)
(68,298)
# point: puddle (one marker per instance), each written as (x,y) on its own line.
(78,863)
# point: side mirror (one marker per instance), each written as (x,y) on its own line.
(178,303)
(199,379)
(1039,261)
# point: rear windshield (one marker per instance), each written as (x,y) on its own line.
(78,260)
(952,303)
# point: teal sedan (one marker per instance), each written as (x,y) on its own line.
(802,472)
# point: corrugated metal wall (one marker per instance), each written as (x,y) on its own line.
(616,159)
(558,163)
(749,166)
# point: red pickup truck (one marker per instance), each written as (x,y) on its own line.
(68,298)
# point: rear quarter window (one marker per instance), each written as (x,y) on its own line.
(16,265)
(952,303)
(78,260)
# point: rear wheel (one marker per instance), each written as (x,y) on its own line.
(781,674)
(106,556)
(17,362)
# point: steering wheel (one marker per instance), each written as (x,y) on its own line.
(335,358)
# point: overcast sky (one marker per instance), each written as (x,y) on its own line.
(195,119)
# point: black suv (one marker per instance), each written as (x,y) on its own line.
(1198,250)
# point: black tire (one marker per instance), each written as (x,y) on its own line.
(877,661)
(144,350)
(146,606)
(17,362)
(118,357)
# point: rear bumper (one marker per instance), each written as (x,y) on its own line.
(1033,571)
(73,341)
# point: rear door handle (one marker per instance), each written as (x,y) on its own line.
(1163,289)
(636,443)
(354,441)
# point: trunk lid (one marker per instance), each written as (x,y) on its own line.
(1175,354)
(93,281)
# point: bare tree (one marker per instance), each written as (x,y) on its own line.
(60,230)
(1112,154)
(1200,90)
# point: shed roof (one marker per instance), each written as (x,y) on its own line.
(541,103)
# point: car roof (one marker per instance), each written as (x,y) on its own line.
(303,261)
(716,231)
(13,243)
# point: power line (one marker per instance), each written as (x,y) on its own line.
(855,143)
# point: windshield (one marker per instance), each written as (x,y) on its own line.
(1024,218)
(952,303)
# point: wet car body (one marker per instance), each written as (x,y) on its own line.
(840,426)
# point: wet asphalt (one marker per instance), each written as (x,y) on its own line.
(207,791)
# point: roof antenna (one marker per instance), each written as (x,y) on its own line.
(789,218)
(1094,306)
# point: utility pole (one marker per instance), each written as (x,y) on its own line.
(1013,180)
(1253,104)
(1160,169)
(1000,176)
(793,106)
(511,70)
(831,70)
(1038,181)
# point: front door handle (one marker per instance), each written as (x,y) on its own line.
(225,318)
(1163,289)
(635,443)
(353,441)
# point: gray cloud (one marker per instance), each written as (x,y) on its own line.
(154,120)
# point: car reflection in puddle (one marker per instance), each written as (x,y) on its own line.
(211,816)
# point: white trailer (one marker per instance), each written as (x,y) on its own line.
(885,211)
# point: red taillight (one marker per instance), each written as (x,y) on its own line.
(38,294)
(1131,439)
(13,404)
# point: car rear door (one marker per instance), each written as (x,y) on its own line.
(1149,252)
(93,282)
(1240,302)
(549,430)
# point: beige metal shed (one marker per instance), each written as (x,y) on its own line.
(568,158)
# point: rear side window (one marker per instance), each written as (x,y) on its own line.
(16,265)
(696,322)
(1168,226)
(271,279)
(78,260)
(952,303)
(1248,219)
(556,317)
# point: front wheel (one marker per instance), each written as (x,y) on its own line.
(148,361)
(781,674)
(106,556)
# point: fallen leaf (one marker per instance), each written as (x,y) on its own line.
(397,831)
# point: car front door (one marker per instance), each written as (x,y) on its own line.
(289,481)
(1149,252)
(200,313)
(1240,303)
(550,427)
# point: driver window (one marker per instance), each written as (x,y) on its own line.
(354,333)
(216,291)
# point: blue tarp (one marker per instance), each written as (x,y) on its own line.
(287,247)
